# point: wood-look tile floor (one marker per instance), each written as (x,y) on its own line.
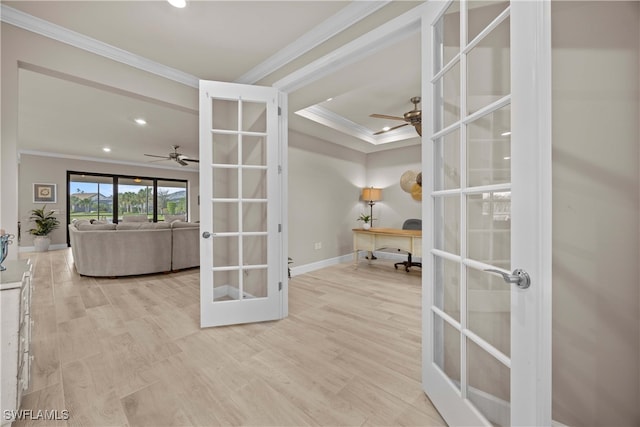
(130,352)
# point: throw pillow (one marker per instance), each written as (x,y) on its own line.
(135,218)
(172,218)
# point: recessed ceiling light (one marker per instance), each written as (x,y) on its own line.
(507,157)
(106,149)
(178,3)
(329,99)
(140,121)
(506,133)
(386,128)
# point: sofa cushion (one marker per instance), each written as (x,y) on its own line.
(179,224)
(155,226)
(143,226)
(135,218)
(129,225)
(172,218)
(94,227)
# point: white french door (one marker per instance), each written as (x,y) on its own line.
(242,244)
(487,149)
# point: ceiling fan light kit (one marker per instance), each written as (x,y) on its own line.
(413,118)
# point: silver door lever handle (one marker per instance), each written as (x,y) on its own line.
(519,277)
(206,234)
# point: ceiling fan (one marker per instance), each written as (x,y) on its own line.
(413,117)
(181,159)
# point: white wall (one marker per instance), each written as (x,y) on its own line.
(325,182)
(53,170)
(596,210)
(324,186)
(384,169)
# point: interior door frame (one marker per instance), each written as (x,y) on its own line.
(530,157)
(533,122)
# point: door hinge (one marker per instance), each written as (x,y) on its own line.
(279,286)
(279,169)
(279,111)
(279,228)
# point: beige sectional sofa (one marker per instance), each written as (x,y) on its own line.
(132,248)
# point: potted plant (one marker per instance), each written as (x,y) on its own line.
(45,222)
(366,220)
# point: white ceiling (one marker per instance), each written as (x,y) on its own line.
(225,41)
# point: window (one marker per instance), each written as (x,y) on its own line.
(135,197)
(91,197)
(172,198)
(110,198)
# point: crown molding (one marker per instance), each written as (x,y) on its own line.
(335,121)
(346,17)
(100,160)
(36,25)
(391,32)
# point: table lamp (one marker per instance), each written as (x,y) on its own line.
(371,196)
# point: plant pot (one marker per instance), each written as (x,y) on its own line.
(366,226)
(41,243)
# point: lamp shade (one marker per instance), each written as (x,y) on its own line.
(371,194)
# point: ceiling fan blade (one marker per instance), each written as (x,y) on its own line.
(159,160)
(384,116)
(182,162)
(389,130)
(186,158)
(153,155)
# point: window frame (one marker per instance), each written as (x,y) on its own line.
(115,202)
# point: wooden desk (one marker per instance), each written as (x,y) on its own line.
(378,238)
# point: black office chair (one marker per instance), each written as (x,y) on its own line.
(410,224)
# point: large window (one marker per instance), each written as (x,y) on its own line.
(110,198)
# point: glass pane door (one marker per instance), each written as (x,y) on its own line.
(135,198)
(240,184)
(471,316)
(485,340)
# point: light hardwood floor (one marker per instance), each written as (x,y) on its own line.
(129,351)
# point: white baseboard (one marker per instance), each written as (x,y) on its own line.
(307,268)
(22,249)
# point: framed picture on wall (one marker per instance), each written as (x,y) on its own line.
(44,193)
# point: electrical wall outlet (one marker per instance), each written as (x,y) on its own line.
(317,245)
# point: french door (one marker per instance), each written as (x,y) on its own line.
(487,149)
(242,244)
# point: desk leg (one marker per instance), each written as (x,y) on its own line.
(355,258)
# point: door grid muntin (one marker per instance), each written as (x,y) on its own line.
(233,274)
